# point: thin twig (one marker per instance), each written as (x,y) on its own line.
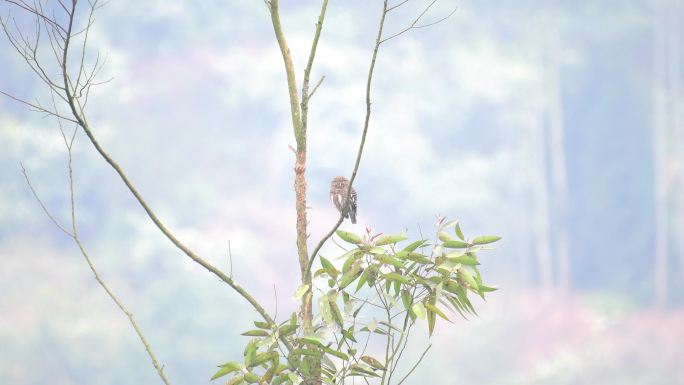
(230,258)
(366,123)
(316,87)
(42,205)
(415,365)
(38,108)
(415,25)
(119,304)
(275,297)
(77,112)
(70,94)
(397,5)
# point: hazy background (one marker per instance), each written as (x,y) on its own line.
(557,125)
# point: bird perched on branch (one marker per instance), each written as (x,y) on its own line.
(338,194)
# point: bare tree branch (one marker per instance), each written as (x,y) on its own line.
(40,202)
(397,5)
(316,87)
(415,365)
(378,41)
(72,93)
(415,24)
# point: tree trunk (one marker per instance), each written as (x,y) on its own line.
(677,105)
(660,159)
(557,159)
(541,207)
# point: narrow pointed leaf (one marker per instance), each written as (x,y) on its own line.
(435,309)
(459,233)
(350,276)
(464,259)
(227,368)
(326,264)
(349,237)
(300,291)
(414,245)
(362,280)
(262,325)
(256,333)
(444,237)
(455,244)
(337,316)
(389,239)
(374,363)
(398,278)
(485,239)
(419,310)
(336,353)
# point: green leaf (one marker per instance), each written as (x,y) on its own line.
(333,273)
(431,317)
(350,260)
(227,368)
(396,277)
(263,357)
(357,369)
(390,326)
(463,298)
(301,291)
(362,280)
(305,352)
(444,237)
(336,353)
(459,233)
(464,260)
(337,316)
(487,289)
(250,352)
(236,380)
(252,378)
(349,334)
(374,363)
(467,277)
(390,239)
(485,239)
(256,333)
(262,325)
(419,310)
(326,264)
(350,276)
(388,260)
(455,244)
(349,237)
(312,340)
(287,330)
(279,380)
(414,245)
(375,250)
(293,377)
(435,309)
(356,312)
(406,299)
(419,258)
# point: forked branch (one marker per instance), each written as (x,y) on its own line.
(366,122)
(414,24)
(75,94)
(74,235)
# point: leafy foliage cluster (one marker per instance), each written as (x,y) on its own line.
(380,290)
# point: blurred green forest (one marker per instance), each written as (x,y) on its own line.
(558,125)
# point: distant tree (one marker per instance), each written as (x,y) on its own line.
(556,153)
(375,294)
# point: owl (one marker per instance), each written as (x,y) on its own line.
(338,192)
